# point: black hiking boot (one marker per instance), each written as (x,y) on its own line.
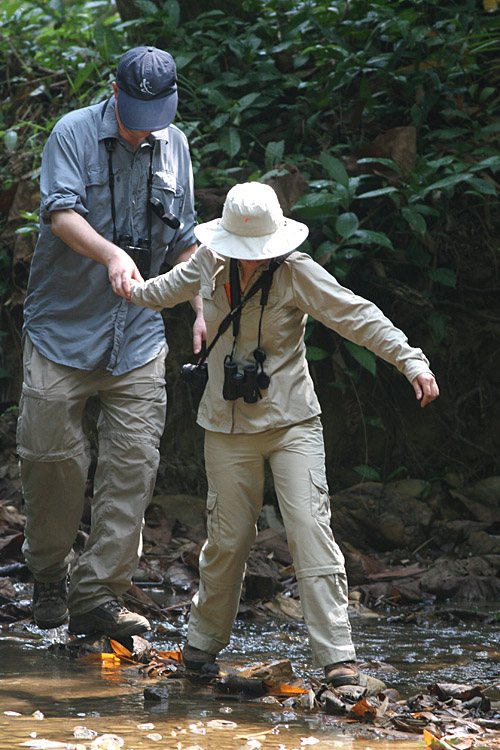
(49,603)
(110,618)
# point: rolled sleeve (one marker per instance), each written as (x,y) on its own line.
(62,182)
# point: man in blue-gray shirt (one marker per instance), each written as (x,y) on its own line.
(116,202)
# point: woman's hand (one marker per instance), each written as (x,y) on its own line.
(425,387)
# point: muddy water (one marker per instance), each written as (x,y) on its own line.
(43,698)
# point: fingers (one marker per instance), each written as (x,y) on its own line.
(425,387)
(199,334)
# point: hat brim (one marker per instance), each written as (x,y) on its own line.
(153,114)
(289,235)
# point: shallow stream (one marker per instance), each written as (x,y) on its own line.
(45,697)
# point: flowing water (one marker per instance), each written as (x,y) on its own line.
(47,699)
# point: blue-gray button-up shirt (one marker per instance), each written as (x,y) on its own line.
(71,313)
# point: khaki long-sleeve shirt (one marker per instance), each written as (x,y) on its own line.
(300,287)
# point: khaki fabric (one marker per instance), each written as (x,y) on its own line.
(54,465)
(301,287)
(235,471)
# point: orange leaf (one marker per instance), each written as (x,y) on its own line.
(120,650)
(174,655)
(282,688)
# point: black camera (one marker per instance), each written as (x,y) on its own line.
(240,384)
(169,219)
(140,253)
(195,375)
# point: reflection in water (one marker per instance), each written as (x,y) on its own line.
(73,693)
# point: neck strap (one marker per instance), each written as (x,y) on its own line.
(264,282)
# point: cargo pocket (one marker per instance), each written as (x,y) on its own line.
(320,496)
(213,526)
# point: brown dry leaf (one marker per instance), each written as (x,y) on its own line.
(283,688)
(174,655)
(436,743)
(364,710)
(122,652)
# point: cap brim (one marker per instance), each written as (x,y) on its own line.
(154,114)
(287,237)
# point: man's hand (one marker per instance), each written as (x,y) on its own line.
(425,387)
(76,232)
(121,269)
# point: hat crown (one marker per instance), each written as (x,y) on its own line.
(147,73)
(251,209)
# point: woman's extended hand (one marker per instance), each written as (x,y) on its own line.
(425,387)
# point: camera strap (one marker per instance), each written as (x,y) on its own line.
(238,302)
(110,144)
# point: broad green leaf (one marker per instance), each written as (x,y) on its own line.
(334,168)
(438,324)
(230,142)
(444,276)
(147,6)
(415,220)
(27,230)
(326,248)
(482,186)
(317,205)
(315,353)
(378,192)
(368,237)
(446,182)
(368,472)
(346,224)
(173,9)
(386,162)
(274,153)
(491,162)
(363,356)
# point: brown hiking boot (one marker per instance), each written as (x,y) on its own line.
(49,603)
(346,673)
(196,659)
(110,618)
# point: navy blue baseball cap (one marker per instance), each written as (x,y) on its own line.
(147,89)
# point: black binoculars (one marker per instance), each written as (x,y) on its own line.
(195,375)
(140,253)
(240,384)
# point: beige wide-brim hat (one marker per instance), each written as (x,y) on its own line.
(252,226)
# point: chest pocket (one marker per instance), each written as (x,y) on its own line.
(96,175)
(215,302)
(169,192)
(98,198)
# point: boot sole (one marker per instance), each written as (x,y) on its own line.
(90,629)
(49,624)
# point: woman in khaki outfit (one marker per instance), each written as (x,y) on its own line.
(274,417)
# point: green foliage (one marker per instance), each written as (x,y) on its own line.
(390,111)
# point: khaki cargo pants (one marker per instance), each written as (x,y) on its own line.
(235,471)
(55,461)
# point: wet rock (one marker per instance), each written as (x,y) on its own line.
(180,577)
(371,517)
(156,694)
(272,542)
(275,671)
(262,577)
(446,577)
(477,510)
(235,684)
(481,543)
(486,491)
